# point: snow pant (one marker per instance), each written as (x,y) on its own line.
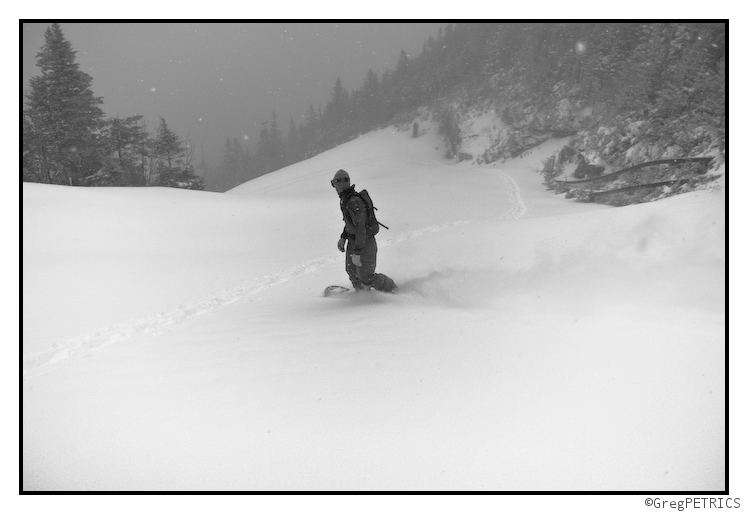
(364,277)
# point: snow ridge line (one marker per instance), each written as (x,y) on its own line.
(309,176)
(39,362)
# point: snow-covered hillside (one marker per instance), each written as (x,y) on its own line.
(178,340)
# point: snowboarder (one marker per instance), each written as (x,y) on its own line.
(361,227)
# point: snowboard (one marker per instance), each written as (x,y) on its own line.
(336,290)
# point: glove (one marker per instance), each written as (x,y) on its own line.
(341,244)
(356,260)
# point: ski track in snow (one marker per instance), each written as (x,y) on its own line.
(517,207)
(35,363)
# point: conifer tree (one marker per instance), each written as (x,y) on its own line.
(61,116)
(229,165)
(310,133)
(337,116)
(125,142)
(311,117)
(277,156)
(397,97)
(270,152)
(292,143)
(172,171)
(264,149)
(167,145)
(370,99)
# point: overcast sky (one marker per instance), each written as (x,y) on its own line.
(218,81)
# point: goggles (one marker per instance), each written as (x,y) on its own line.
(340,181)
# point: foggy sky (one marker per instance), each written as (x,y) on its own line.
(217,80)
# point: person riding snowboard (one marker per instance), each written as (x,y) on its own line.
(361,227)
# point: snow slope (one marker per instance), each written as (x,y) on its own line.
(178,340)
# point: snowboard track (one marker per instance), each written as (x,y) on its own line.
(35,363)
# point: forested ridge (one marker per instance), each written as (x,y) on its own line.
(626,92)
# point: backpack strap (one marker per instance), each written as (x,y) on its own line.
(344,203)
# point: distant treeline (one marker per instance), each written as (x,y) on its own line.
(663,70)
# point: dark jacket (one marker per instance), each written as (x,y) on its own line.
(356,220)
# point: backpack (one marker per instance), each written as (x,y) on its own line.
(372,223)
